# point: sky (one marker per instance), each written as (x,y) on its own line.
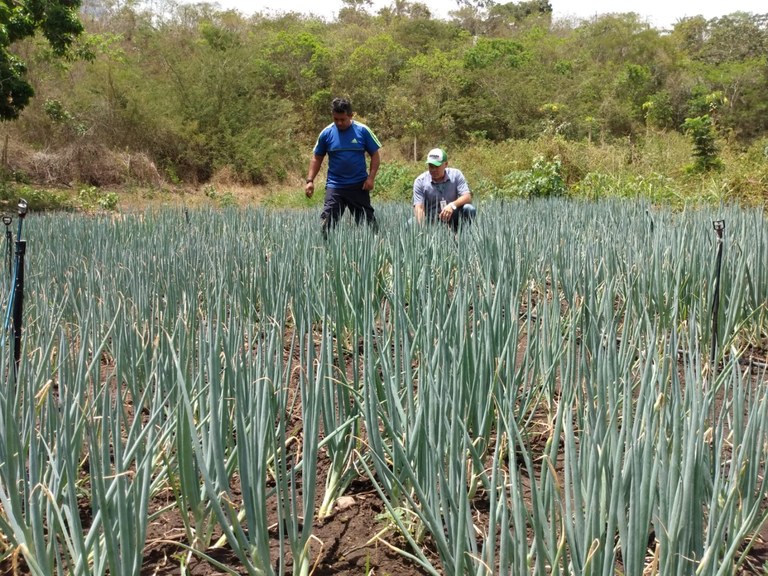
(659,13)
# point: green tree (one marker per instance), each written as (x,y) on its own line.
(422,35)
(417,105)
(355,12)
(59,24)
(619,61)
(727,56)
(516,12)
(494,52)
(403,9)
(634,85)
(478,4)
(705,149)
(736,37)
(500,94)
(658,110)
(368,73)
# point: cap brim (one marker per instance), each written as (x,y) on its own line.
(434,162)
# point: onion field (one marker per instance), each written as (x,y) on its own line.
(562,388)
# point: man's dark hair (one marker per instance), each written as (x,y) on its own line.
(341,106)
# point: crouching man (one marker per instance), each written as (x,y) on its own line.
(442,193)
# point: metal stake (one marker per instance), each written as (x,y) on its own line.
(9,242)
(719,226)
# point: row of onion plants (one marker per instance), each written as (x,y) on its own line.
(532,395)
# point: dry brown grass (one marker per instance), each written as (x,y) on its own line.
(132,175)
(82,162)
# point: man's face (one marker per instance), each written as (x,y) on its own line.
(342,120)
(437,172)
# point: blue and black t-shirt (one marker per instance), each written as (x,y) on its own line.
(346,151)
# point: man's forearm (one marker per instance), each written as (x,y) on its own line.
(375,161)
(463,199)
(314,167)
(418,212)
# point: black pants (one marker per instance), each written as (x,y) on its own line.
(355,198)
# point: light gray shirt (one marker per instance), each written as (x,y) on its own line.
(429,193)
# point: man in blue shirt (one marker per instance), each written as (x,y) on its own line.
(349,182)
(442,193)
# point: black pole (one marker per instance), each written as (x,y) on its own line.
(18,302)
(719,226)
(17,290)
(9,242)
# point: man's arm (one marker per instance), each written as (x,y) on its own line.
(375,161)
(314,168)
(463,199)
(418,201)
(454,206)
(418,213)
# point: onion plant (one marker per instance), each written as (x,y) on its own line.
(533,394)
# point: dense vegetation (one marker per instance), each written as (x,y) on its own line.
(169,93)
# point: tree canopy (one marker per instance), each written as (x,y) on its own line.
(58,22)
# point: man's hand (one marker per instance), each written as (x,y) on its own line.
(309,189)
(447,212)
(368,184)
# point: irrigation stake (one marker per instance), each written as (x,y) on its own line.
(16,302)
(719,226)
(22,212)
(8,241)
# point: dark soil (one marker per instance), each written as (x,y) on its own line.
(345,544)
(342,545)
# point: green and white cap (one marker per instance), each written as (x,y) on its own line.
(437,156)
